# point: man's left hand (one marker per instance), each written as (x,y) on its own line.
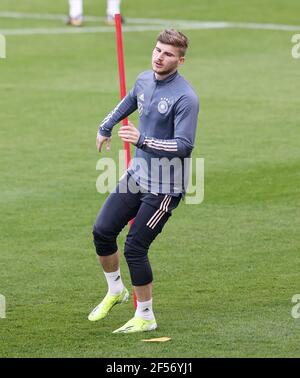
(129,133)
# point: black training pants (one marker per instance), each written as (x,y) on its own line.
(150,213)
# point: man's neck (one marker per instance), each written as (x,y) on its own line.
(163,77)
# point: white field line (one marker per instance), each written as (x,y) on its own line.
(138,25)
(72,30)
(43,16)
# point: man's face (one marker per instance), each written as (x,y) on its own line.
(166,59)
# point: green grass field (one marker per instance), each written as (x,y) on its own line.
(226,270)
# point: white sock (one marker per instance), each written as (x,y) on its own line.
(112,7)
(75,8)
(144,310)
(114,281)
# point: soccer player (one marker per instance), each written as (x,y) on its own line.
(168,111)
(76,11)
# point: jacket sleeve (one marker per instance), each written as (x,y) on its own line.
(127,106)
(185,124)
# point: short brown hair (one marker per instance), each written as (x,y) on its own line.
(174,38)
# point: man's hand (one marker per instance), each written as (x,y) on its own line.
(102,139)
(129,133)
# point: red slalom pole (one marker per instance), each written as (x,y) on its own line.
(122,79)
(122,76)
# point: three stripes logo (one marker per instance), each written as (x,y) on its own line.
(141,100)
(158,144)
(157,216)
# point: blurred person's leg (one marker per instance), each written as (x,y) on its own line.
(75,12)
(112,7)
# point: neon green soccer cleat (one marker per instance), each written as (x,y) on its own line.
(137,325)
(109,301)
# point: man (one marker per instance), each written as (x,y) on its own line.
(76,12)
(168,110)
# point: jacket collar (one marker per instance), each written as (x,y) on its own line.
(168,79)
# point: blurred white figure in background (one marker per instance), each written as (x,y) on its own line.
(112,7)
(76,12)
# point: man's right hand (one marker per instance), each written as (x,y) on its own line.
(100,140)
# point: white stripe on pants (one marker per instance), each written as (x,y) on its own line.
(163,208)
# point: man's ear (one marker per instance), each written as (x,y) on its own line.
(181,61)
